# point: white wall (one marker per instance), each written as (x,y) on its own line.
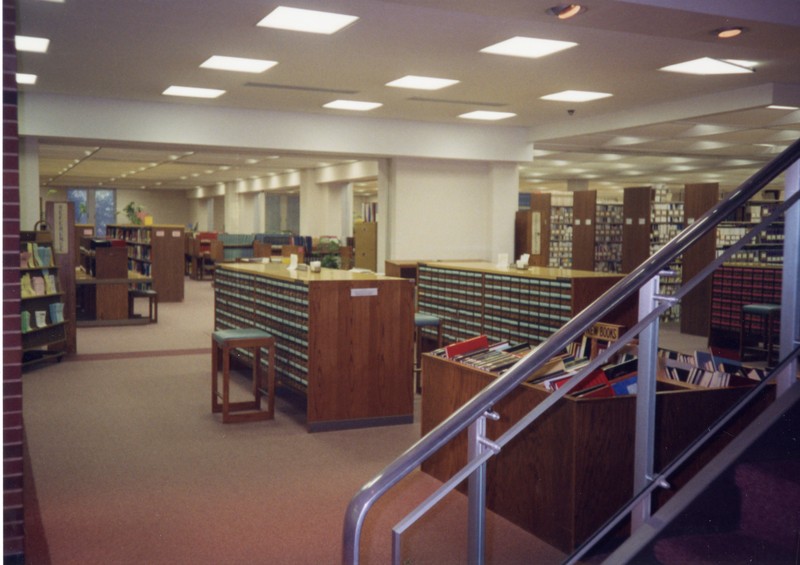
(439,210)
(166,206)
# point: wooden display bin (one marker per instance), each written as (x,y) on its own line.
(565,475)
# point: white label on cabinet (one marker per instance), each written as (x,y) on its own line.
(690,221)
(628,221)
(87,232)
(588,221)
(354,292)
(176,233)
(577,222)
(641,221)
(159,233)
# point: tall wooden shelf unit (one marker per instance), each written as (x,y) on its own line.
(474,298)
(584,215)
(44,321)
(565,475)
(155,251)
(365,236)
(532,230)
(344,340)
(666,221)
(560,246)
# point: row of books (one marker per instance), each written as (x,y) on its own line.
(703,368)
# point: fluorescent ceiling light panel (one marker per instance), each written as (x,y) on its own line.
(529,47)
(25,78)
(422,83)
(193,92)
(771,106)
(709,66)
(311,21)
(31,44)
(355,105)
(238,64)
(486,115)
(576,96)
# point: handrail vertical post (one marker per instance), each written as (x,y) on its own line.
(644,443)
(790,290)
(477,495)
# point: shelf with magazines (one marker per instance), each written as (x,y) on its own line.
(42,321)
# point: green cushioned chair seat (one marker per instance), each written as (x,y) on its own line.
(222,336)
(422,320)
(142,292)
(763,309)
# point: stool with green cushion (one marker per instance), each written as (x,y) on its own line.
(424,321)
(225,341)
(757,327)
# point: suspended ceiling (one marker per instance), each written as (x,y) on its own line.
(133,50)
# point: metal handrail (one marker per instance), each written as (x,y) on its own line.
(571,331)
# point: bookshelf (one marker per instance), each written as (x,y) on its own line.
(473,298)
(560,245)
(564,476)
(608,237)
(43,321)
(81,231)
(344,340)
(766,247)
(666,221)
(157,252)
(734,285)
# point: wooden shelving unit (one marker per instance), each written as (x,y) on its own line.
(344,340)
(767,247)
(584,214)
(157,252)
(365,235)
(733,286)
(608,237)
(564,476)
(473,298)
(666,221)
(42,301)
(560,245)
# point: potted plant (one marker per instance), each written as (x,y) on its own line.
(329,247)
(135,213)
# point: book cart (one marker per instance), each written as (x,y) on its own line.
(570,471)
(344,340)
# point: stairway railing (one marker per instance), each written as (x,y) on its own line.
(643,280)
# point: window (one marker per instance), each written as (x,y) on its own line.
(94,206)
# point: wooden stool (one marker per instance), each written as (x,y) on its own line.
(227,340)
(151,295)
(423,321)
(767,315)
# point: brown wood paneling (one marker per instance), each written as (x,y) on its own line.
(524,226)
(365,235)
(696,305)
(167,246)
(66,273)
(636,226)
(584,219)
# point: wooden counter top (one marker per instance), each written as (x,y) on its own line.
(532,272)
(279,271)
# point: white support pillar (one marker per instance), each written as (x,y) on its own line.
(28,183)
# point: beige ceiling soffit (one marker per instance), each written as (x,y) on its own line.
(775,11)
(679,110)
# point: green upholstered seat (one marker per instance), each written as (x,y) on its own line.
(425,320)
(223,336)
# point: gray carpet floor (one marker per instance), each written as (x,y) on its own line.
(126,464)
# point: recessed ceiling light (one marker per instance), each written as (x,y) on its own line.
(238,64)
(728,32)
(709,66)
(311,21)
(576,96)
(529,47)
(352,105)
(422,83)
(771,106)
(25,78)
(193,92)
(486,115)
(31,44)
(566,11)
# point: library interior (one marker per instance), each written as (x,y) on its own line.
(476,282)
